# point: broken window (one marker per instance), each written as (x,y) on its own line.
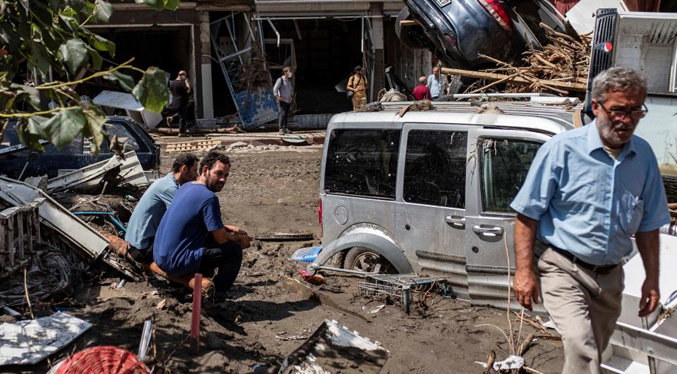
(434,171)
(124,137)
(362,162)
(505,164)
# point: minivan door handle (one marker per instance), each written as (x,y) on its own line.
(456,221)
(488,230)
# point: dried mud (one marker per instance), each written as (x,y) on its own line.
(269,313)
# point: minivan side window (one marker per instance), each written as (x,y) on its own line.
(504,167)
(362,162)
(434,171)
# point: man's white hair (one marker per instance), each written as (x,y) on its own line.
(618,79)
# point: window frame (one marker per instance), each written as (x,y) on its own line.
(405,148)
(477,164)
(327,154)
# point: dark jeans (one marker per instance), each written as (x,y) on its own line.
(227,258)
(143,256)
(284,113)
(181,111)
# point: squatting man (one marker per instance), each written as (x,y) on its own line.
(588,191)
(192,237)
(151,208)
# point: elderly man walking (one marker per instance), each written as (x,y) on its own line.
(587,193)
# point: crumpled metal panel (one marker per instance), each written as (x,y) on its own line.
(91,243)
(257,108)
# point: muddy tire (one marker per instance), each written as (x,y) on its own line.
(365,259)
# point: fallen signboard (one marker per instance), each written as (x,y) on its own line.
(30,341)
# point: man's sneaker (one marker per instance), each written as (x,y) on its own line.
(183,135)
(282,132)
(287,131)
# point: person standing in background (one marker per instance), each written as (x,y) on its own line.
(357,84)
(284,93)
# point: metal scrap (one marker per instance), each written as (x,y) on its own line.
(114,171)
(333,348)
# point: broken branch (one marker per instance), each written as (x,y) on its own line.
(568,86)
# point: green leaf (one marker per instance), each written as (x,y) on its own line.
(40,59)
(95,57)
(157,4)
(94,127)
(102,44)
(73,53)
(172,4)
(124,80)
(152,90)
(28,132)
(103,11)
(36,126)
(78,5)
(65,126)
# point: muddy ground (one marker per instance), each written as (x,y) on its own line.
(270,313)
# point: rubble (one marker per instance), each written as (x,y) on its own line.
(561,67)
(97,177)
(30,341)
(331,348)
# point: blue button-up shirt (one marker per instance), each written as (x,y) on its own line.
(436,86)
(586,202)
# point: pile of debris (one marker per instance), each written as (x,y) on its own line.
(253,73)
(561,67)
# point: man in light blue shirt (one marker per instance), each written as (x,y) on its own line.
(436,84)
(587,193)
(148,213)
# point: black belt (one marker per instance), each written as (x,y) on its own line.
(601,269)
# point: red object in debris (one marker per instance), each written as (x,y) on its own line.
(496,10)
(319,214)
(314,279)
(195,321)
(103,360)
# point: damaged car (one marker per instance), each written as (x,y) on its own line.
(19,162)
(458,32)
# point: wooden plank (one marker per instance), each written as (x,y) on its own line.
(492,76)
(35,216)
(20,224)
(407,22)
(27,220)
(3,240)
(10,238)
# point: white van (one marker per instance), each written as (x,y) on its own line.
(429,192)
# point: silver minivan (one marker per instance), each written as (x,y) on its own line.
(429,192)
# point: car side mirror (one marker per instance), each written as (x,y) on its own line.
(128,147)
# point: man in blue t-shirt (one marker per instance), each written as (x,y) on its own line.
(152,207)
(192,237)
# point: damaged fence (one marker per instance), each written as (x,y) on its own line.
(16,221)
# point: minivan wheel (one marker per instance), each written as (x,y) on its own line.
(367,260)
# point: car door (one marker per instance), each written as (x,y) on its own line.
(499,162)
(431,200)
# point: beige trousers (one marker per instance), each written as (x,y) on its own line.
(584,307)
(359,101)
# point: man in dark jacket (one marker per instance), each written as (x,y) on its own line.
(180,90)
